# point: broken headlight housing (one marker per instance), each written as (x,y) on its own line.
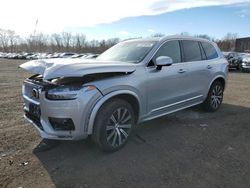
(63,93)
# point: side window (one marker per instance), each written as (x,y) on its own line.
(170,49)
(191,50)
(203,55)
(209,50)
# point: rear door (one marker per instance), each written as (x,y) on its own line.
(199,68)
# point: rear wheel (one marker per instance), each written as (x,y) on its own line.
(214,97)
(113,125)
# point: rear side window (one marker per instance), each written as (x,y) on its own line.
(170,49)
(191,50)
(210,51)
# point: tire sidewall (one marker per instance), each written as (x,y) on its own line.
(210,95)
(102,119)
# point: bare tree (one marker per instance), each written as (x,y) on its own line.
(13,40)
(57,40)
(4,39)
(158,35)
(79,42)
(112,41)
(66,41)
(204,36)
(8,40)
(228,42)
(66,38)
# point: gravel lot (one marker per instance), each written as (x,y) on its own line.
(190,148)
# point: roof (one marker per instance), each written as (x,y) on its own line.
(155,39)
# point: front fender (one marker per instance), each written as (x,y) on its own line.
(98,105)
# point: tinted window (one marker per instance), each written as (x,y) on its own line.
(209,50)
(170,49)
(203,55)
(191,50)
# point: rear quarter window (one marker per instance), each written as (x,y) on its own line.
(210,50)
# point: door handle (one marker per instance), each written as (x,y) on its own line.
(181,71)
(209,67)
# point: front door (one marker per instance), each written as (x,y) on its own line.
(168,88)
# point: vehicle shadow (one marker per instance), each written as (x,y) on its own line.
(190,148)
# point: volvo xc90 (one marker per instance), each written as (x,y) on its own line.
(132,82)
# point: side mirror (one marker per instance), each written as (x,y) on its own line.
(163,61)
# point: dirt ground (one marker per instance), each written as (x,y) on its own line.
(190,148)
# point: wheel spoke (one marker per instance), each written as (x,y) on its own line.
(118,114)
(125,126)
(119,137)
(218,100)
(113,118)
(213,102)
(119,127)
(110,127)
(126,119)
(114,139)
(213,93)
(124,133)
(220,92)
(111,134)
(123,114)
(217,88)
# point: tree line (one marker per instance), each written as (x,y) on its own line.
(68,42)
(62,42)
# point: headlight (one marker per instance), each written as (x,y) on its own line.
(67,92)
(63,93)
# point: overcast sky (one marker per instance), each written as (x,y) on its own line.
(126,18)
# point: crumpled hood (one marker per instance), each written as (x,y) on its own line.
(247,59)
(54,68)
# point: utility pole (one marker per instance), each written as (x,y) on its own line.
(35,27)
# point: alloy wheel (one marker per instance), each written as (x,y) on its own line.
(119,127)
(216,97)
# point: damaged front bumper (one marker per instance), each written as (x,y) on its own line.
(58,119)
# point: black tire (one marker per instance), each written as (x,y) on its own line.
(214,98)
(113,125)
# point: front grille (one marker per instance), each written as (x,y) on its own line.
(35,119)
(28,91)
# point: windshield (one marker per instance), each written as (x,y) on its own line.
(129,51)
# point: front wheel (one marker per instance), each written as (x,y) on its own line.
(214,97)
(113,125)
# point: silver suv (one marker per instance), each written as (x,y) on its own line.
(132,82)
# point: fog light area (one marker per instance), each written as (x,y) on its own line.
(62,124)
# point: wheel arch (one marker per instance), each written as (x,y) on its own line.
(219,78)
(127,95)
